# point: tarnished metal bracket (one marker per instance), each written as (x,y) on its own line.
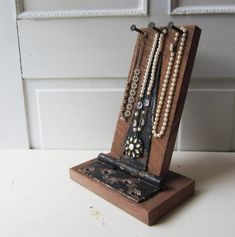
(135,184)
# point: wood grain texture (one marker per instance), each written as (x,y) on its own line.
(177,189)
(161,149)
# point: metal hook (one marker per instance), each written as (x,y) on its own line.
(172,26)
(134,28)
(151,25)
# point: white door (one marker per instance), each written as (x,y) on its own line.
(13,128)
(66,62)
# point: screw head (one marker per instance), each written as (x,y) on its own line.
(170,24)
(151,25)
(133,27)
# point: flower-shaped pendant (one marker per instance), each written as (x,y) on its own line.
(133,147)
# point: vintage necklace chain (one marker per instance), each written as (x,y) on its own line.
(134,145)
(150,58)
(146,101)
(155,61)
(131,87)
(172,87)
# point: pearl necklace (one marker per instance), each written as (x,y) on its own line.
(134,145)
(138,125)
(150,58)
(172,87)
(155,62)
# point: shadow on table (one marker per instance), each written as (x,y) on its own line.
(207,170)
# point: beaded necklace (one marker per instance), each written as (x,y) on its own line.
(131,87)
(177,64)
(134,146)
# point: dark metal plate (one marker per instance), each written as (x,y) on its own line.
(146,134)
(132,187)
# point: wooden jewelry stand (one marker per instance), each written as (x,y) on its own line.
(144,187)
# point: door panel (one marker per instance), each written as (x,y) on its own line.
(69,61)
(13,129)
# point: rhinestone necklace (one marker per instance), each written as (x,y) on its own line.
(134,145)
(131,87)
(144,103)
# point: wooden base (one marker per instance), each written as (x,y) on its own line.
(177,188)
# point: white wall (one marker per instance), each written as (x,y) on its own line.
(13,132)
(74,69)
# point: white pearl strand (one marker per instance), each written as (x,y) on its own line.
(143,86)
(155,62)
(154,65)
(172,87)
(163,93)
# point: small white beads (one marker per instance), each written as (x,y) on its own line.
(173,85)
(155,63)
(150,58)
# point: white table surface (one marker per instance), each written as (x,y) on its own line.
(38,198)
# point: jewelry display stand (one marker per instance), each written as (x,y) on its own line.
(135,175)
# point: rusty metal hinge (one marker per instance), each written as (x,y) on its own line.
(133,183)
